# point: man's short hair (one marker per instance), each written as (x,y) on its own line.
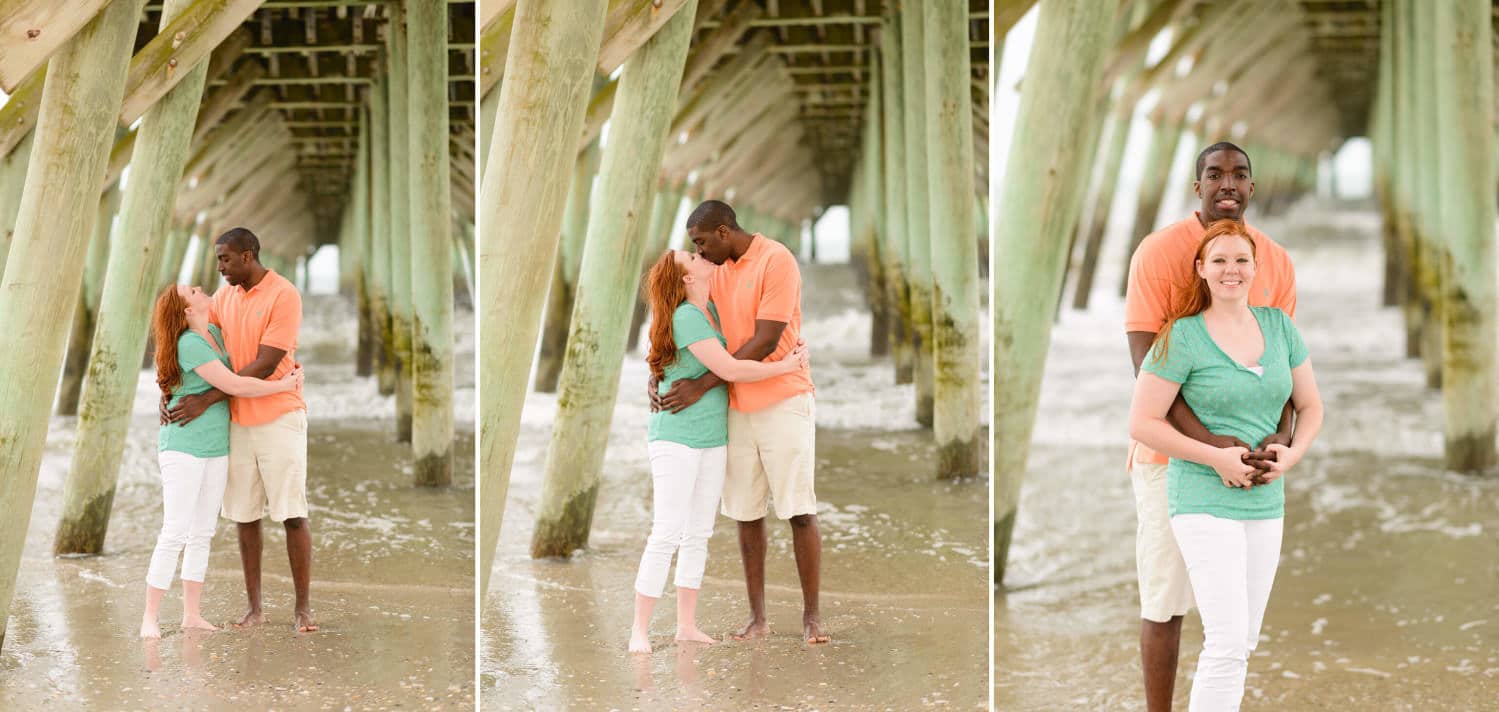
(1202,158)
(710,214)
(240,239)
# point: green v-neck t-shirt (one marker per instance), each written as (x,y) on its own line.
(1229,399)
(703,424)
(208,434)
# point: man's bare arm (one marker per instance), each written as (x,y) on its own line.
(1180,416)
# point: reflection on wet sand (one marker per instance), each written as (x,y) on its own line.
(1385,596)
(392,579)
(904,566)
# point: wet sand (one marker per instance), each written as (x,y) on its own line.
(903,568)
(392,573)
(1386,593)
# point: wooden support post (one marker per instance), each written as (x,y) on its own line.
(145,244)
(1464,69)
(918,238)
(400,219)
(85,316)
(84,86)
(432,244)
(1165,134)
(954,251)
(590,376)
(903,351)
(364,286)
(380,210)
(565,272)
(1025,265)
(541,108)
(12,184)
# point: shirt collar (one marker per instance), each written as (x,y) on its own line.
(757,245)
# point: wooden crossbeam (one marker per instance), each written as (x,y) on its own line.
(187,40)
(31,30)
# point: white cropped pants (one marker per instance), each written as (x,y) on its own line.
(686,484)
(1232,566)
(192,491)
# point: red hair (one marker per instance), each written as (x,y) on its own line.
(168,321)
(663,291)
(1193,300)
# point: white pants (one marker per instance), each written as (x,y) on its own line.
(1232,566)
(685,486)
(192,489)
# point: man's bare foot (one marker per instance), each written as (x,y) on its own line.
(753,629)
(812,631)
(305,623)
(693,635)
(640,642)
(197,623)
(252,617)
(149,629)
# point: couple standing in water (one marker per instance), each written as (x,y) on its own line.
(733,419)
(1225,405)
(233,437)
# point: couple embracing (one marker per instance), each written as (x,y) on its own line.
(233,437)
(1225,406)
(732,395)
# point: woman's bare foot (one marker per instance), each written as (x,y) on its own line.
(149,629)
(693,635)
(305,623)
(753,629)
(252,617)
(197,623)
(640,642)
(812,631)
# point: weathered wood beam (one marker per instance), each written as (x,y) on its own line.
(716,45)
(494,45)
(225,98)
(628,25)
(31,30)
(189,39)
(18,114)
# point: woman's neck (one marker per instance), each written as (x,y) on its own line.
(198,324)
(698,296)
(1229,310)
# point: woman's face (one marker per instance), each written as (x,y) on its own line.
(1228,267)
(196,299)
(697,266)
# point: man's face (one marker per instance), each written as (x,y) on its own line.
(1225,186)
(713,245)
(234,266)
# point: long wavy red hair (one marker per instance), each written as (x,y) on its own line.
(1192,301)
(168,321)
(663,291)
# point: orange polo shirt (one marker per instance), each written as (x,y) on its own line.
(270,313)
(764,283)
(1164,263)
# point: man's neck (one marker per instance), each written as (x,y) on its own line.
(257,273)
(741,242)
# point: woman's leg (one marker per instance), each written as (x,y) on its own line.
(180,475)
(692,557)
(1215,552)
(1262,538)
(199,537)
(673,469)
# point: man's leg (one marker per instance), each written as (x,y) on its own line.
(1160,644)
(299,553)
(752,552)
(249,561)
(807,542)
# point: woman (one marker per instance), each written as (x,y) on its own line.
(688,449)
(1235,365)
(194,457)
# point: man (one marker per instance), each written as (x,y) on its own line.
(772,428)
(1161,266)
(260,313)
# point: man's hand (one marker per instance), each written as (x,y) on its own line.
(161,409)
(189,408)
(1262,457)
(1252,456)
(651,389)
(683,393)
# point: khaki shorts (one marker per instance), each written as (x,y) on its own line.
(1165,590)
(772,455)
(268,469)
